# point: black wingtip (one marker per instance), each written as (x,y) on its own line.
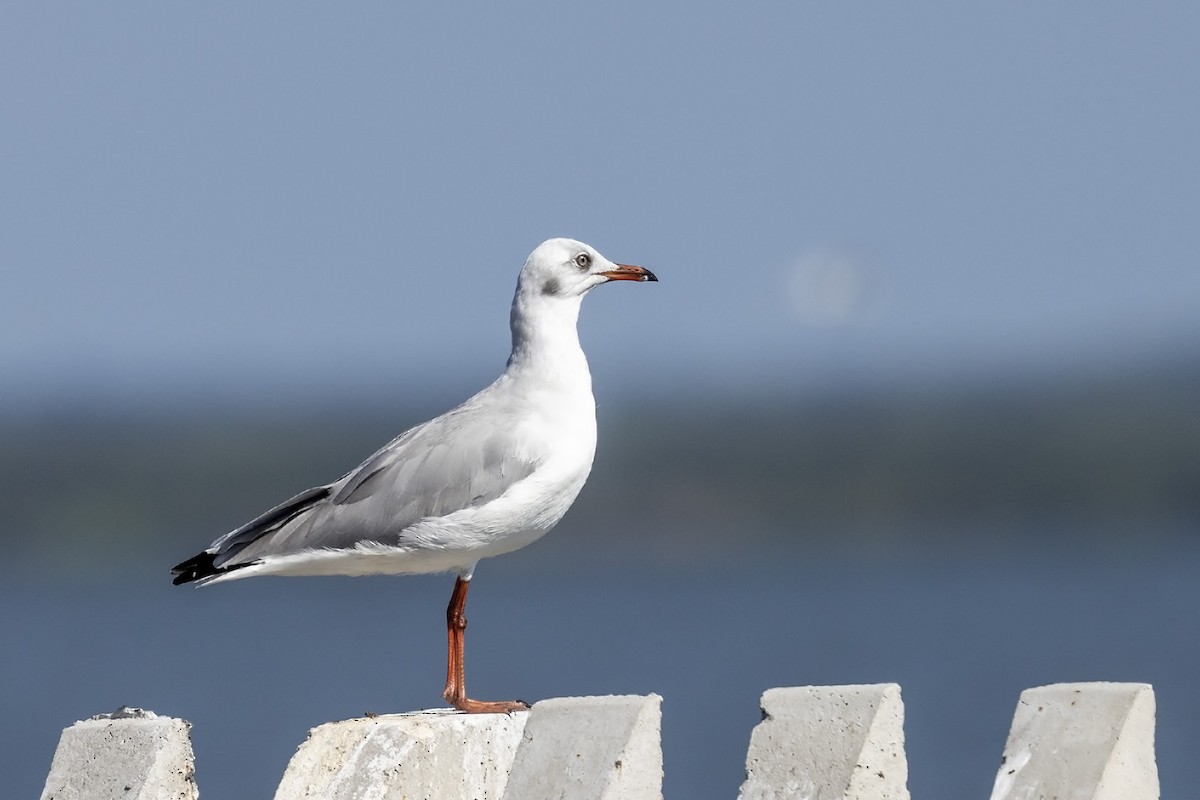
(195,568)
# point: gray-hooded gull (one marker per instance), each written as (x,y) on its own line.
(485,478)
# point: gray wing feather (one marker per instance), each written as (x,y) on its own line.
(266,523)
(460,460)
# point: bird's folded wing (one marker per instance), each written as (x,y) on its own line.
(233,542)
(460,460)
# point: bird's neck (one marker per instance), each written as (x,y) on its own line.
(545,341)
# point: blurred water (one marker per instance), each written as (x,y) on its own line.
(254,665)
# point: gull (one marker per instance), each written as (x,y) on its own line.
(486,478)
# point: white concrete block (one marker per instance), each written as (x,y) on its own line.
(828,743)
(131,754)
(590,748)
(1086,741)
(442,755)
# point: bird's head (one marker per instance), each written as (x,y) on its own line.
(566,268)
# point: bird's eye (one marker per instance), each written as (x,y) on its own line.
(583,260)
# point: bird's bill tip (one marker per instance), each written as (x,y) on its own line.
(629,272)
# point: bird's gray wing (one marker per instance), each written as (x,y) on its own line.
(460,460)
(238,539)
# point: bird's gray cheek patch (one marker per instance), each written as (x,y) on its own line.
(551,287)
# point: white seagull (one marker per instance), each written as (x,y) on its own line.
(486,478)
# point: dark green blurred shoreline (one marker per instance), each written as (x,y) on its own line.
(1115,457)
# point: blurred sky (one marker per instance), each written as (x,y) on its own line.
(245,199)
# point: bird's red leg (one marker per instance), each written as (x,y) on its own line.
(456,672)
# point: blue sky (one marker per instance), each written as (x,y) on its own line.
(239,200)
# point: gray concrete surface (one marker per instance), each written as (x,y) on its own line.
(828,743)
(131,754)
(1085,741)
(442,755)
(590,748)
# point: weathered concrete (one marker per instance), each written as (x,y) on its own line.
(131,754)
(431,754)
(590,748)
(1086,741)
(828,743)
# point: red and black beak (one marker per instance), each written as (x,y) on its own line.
(628,272)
